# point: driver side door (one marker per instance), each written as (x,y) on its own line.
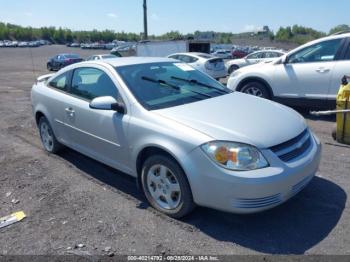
(307,73)
(100,134)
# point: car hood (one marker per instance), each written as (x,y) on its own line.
(241,118)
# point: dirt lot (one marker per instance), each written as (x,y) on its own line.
(70,199)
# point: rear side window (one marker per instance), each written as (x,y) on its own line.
(60,82)
(89,83)
(188,59)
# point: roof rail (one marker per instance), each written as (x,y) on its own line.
(341,32)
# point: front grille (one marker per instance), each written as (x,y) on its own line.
(293,148)
(257,202)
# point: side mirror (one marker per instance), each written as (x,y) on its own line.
(284,59)
(107,103)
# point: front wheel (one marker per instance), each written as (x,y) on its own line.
(256,89)
(232,69)
(166,187)
(47,136)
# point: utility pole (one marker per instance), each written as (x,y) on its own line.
(145,30)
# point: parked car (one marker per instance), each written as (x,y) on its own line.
(206,63)
(59,61)
(170,126)
(23,44)
(239,53)
(75,45)
(307,76)
(224,54)
(251,59)
(2,44)
(100,57)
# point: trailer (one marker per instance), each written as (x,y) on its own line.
(165,48)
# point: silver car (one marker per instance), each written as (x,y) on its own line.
(186,138)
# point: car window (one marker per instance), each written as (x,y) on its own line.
(320,52)
(347,55)
(60,82)
(270,55)
(256,56)
(89,83)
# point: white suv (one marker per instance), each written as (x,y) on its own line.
(308,76)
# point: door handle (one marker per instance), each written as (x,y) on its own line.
(70,111)
(322,70)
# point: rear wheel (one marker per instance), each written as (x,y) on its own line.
(49,67)
(256,89)
(233,68)
(47,136)
(166,187)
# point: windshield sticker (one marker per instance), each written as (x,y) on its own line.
(184,67)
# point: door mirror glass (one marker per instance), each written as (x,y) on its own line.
(107,103)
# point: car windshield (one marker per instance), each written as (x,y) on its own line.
(71,56)
(163,85)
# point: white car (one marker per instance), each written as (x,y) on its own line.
(100,57)
(211,65)
(224,54)
(307,76)
(251,59)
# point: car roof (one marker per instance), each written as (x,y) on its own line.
(125,61)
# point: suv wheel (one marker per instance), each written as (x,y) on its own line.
(47,136)
(256,89)
(166,187)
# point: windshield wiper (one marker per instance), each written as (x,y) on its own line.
(194,81)
(162,82)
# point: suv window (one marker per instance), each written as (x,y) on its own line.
(60,82)
(89,83)
(320,52)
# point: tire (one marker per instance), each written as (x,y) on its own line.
(232,69)
(49,67)
(163,179)
(47,136)
(256,89)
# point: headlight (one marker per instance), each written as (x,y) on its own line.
(235,156)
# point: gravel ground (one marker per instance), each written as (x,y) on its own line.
(70,199)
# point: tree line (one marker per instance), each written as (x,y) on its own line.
(295,34)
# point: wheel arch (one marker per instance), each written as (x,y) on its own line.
(150,150)
(256,79)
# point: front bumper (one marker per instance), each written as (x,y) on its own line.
(250,191)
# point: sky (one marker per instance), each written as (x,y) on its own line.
(185,16)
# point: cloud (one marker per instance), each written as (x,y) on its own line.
(155,17)
(112,15)
(28,14)
(252,28)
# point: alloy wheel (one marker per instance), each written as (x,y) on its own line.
(163,187)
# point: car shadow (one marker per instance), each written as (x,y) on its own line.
(291,228)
